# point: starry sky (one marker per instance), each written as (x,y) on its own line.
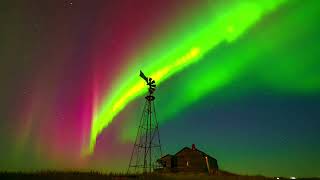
(240,79)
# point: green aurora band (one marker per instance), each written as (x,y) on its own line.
(184,47)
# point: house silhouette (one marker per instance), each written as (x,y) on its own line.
(188,160)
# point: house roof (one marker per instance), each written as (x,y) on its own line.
(187,148)
(205,154)
(166,156)
(201,152)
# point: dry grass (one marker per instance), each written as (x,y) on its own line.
(48,175)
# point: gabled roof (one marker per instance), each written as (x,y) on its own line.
(201,152)
(204,154)
(166,156)
(185,148)
(189,149)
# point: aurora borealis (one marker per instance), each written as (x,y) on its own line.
(240,79)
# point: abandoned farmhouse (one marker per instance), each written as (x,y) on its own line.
(188,160)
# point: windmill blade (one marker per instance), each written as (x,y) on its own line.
(152,89)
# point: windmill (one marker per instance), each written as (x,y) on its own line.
(147,147)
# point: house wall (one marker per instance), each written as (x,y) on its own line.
(167,161)
(213,164)
(191,160)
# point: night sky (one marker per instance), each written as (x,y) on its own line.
(240,79)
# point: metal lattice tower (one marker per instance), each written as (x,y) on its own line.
(147,146)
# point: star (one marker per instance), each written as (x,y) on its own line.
(68,3)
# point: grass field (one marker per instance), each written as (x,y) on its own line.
(97,176)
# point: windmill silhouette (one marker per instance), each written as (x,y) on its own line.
(147,147)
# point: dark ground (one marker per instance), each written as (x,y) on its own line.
(48,175)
